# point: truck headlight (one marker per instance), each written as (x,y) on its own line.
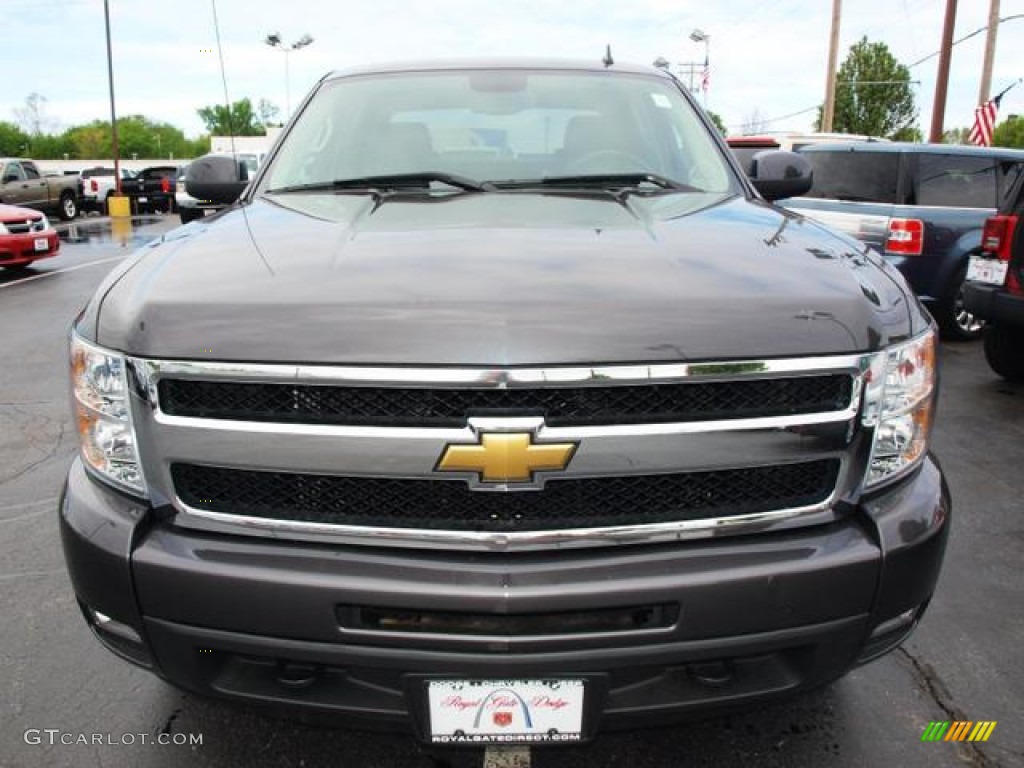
(900,405)
(99,385)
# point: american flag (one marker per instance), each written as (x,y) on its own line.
(984,122)
(705,76)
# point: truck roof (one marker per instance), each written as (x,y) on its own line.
(913,147)
(539,63)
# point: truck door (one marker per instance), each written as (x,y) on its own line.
(38,190)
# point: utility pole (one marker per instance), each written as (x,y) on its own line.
(990,52)
(828,113)
(942,78)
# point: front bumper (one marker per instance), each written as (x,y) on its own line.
(259,620)
(994,304)
(21,248)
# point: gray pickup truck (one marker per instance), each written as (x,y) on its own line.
(22,184)
(502,408)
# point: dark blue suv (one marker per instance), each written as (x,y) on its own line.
(922,205)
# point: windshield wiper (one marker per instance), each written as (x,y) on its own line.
(602,181)
(390,183)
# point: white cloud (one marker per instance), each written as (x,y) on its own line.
(768,57)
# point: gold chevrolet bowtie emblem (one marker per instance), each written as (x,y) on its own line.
(506,457)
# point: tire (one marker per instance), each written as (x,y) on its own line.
(68,206)
(955,322)
(190,214)
(17,269)
(1004,350)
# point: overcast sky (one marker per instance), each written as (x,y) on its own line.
(768,57)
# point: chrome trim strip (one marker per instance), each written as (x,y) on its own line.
(501,378)
(647,533)
(397,452)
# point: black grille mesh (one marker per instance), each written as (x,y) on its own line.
(451,505)
(560,406)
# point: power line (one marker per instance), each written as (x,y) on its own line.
(916,63)
(966,37)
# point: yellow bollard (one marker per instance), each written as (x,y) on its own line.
(120,228)
(119,206)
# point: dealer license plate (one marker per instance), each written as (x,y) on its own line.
(982,270)
(42,244)
(505,711)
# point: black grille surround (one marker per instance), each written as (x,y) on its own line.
(647,403)
(563,504)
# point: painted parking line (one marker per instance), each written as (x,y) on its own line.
(59,271)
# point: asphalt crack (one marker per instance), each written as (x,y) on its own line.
(50,454)
(928,679)
(166,730)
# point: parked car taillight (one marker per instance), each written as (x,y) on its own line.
(165,185)
(905,237)
(997,239)
(997,236)
(94,185)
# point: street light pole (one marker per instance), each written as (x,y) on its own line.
(113,115)
(274,41)
(699,36)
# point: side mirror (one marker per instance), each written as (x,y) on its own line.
(777,174)
(216,179)
(10,179)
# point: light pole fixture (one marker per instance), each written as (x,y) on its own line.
(274,41)
(661,63)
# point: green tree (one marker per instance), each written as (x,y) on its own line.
(13,140)
(1009,133)
(956,136)
(137,135)
(49,147)
(873,93)
(266,112)
(717,120)
(242,121)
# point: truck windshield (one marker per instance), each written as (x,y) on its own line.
(500,126)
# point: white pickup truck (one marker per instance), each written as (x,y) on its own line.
(98,186)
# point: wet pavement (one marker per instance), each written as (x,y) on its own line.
(966,660)
(102,231)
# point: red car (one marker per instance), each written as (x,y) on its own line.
(25,235)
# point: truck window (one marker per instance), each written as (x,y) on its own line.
(869,177)
(956,181)
(30,171)
(13,172)
(499,126)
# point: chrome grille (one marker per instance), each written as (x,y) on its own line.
(450,505)
(350,454)
(560,406)
(24,227)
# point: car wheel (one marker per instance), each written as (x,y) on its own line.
(190,214)
(68,206)
(16,269)
(955,322)
(1004,350)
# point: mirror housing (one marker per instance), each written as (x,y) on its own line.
(216,179)
(777,174)
(10,179)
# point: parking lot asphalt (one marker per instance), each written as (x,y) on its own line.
(965,662)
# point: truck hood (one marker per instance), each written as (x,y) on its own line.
(500,279)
